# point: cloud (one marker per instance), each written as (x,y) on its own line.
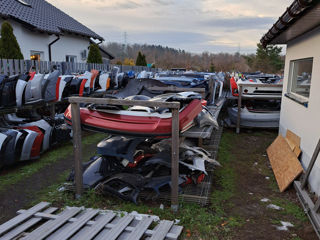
(192,25)
(163,2)
(239,23)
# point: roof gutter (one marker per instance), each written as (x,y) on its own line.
(296,9)
(50,44)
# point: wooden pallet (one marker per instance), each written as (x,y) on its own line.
(41,222)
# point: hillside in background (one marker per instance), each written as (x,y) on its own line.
(166,58)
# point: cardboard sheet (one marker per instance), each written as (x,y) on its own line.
(284,162)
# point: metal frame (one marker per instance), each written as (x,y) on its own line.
(76,126)
(310,208)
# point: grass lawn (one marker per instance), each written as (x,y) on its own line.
(221,218)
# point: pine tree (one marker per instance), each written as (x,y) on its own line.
(139,59)
(94,55)
(9,47)
(143,60)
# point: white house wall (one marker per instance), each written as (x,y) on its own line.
(34,41)
(305,122)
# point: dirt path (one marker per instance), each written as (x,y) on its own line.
(22,193)
(254,182)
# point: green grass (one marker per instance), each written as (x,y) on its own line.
(290,208)
(46,159)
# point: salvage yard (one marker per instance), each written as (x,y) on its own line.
(244,200)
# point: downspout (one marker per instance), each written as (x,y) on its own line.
(50,44)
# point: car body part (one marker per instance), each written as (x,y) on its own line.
(63,87)
(119,146)
(205,118)
(20,88)
(198,165)
(192,152)
(13,118)
(9,153)
(124,185)
(156,183)
(115,77)
(268,119)
(104,82)
(3,143)
(134,123)
(33,91)
(49,86)
(94,76)
(37,142)
(92,175)
(7,91)
(46,129)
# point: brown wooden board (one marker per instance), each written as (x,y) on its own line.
(285,165)
(294,142)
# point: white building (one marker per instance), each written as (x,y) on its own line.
(299,29)
(46,33)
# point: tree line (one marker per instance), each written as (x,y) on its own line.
(267,60)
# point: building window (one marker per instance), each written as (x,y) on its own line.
(70,58)
(37,55)
(300,78)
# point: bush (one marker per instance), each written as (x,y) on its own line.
(9,47)
(94,55)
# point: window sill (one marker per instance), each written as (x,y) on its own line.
(297,99)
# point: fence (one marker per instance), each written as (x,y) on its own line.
(17,66)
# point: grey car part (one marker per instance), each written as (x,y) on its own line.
(92,175)
(49,86)
(20,88)
(3,143)
(13,118)
(192,152)
(156,183)
(162,158)
(9,153)
(7,91)
(119,146)
(198,164)
(124,185)
(46,129)
(28,143)
(33,91)
(115,77)
(254,119)
(205,118)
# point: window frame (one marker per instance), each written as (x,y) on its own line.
(292,95)
(72,56)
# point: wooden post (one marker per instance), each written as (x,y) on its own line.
(311,164)
(239,109)
(175,160)
(211,87)
(77,148)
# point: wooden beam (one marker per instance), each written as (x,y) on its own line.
(311,164)
(239,109)
(175,160)
(77,148)
(111,101)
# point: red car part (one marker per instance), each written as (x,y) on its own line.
(135,125)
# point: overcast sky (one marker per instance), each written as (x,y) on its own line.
(193,25)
